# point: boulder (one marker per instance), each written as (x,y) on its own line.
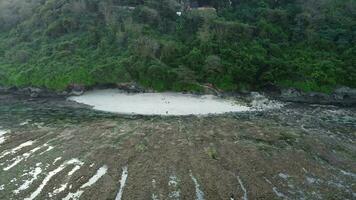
(271,89)
(342,96)
(210,89)
(130,87)
(4,90)
(62,93)
(35,92)
(317,96)
(291,93)
(76,89)
(344,93)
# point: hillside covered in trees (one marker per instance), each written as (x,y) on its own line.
(179,45)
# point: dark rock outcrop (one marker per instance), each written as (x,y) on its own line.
(345,93)
(342,96)
(76,89)
(34,92)
(131,87)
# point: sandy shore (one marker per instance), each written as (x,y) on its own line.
(177,104)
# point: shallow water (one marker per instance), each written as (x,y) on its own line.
(2,136)
(56,147)
(176,104)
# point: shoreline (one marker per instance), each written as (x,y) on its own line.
(342,96)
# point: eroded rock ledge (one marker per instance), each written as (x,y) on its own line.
(342,96)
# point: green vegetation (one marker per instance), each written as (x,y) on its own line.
(238,44)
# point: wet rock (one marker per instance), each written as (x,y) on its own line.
(31,91)
(35,92)
(8,90)
(210,89)
(260,102)
(3,90)
(63,93)
(344,93)
(271,88)
(317,97)
(130,87)
(76,89)
(291,93)
(343,96)
(76,93)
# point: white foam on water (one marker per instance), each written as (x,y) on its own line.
(154,196)
(279,194)
(311,180)
(74,196)
(99,173)
(16,149)
(75,161)
(154,183)
(174,195)
(18,159)
(336,184)
(124,175)
(2,187)
(173,183)
(55,160)
(25,122)
(268,181)
(26,155)
(39,125)
(348,173)
(76,168)
(49,176)
(284,176)
(48,149)
(2,140)
(2,136)
(2,132)
(45,181)
(198,192)
(243,188)
(34,175)
(58,190)
(112,100)
(260,102)
(306,171)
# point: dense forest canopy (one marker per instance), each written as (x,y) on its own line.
(231,44)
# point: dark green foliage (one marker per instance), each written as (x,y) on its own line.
(54,43)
